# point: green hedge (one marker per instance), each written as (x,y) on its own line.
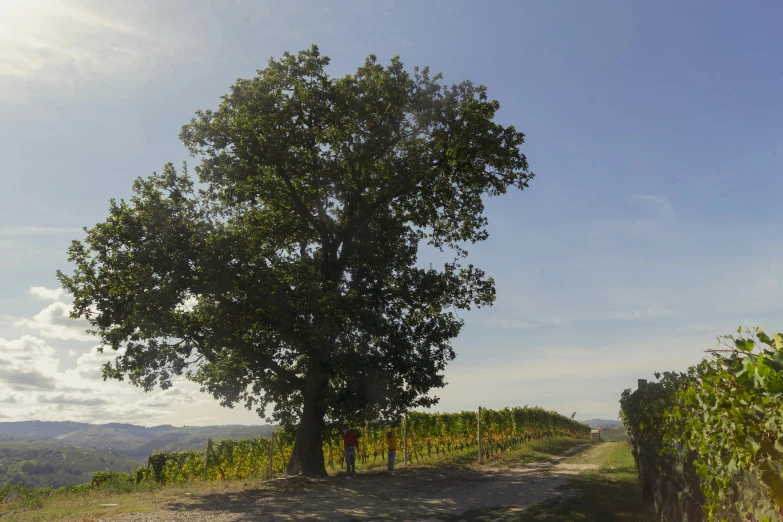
(717,427)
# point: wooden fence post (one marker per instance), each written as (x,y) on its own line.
(206,459)
(405,441)
(271,453)
(480,456)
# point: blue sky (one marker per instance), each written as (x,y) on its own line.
(655,130)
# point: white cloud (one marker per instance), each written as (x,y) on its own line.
(27,363)
(506,323)
(702,327)
(200,421)
(8,399)
(71,400)
(659,204)
(48,377)
(716,177)
(48,294)
(768,273)
(188,304)
(54,322)
(36,230)
(67,44)
(54,392)
(89,364)
(34,385)
(559,377)
(648,313)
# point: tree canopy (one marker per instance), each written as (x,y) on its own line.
(287,275)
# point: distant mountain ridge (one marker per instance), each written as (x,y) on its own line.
(131,440)
(35,464)
(54,454)
(41,429)
(603,423)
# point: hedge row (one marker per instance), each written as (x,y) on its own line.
(709,440)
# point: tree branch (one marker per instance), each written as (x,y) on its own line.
(303,210)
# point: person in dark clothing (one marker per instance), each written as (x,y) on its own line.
(351,448)
(391,440)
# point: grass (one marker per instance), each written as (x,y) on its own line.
(614,434)
(607,493)
(86,507)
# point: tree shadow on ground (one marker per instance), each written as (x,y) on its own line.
(417,494)
(610,493)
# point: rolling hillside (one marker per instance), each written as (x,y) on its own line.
(138,442)
(39,454)
(126,439)
(42,464)
(40,430)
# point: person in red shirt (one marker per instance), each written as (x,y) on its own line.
(351,448)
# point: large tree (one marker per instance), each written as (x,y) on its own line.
(288,276)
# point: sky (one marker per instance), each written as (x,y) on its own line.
(655,130)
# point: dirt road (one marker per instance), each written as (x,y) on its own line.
(411,494)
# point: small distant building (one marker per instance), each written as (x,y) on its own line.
(595,435)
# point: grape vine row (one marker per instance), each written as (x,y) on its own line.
(427,434)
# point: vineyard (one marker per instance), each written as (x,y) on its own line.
(708,442)
(423,434)
(427,434)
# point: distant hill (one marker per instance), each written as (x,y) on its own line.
(54,454)
(603,423)
(127,439)
(39,429)
(40,464)
(614,434)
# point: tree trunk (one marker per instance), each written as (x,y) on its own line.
(307,457)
